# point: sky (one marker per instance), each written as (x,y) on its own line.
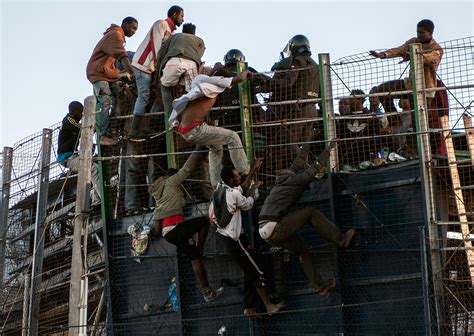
(45,45)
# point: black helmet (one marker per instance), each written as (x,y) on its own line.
(299,44)
(233,56)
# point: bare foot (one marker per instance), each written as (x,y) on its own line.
(252,313)
(272,308)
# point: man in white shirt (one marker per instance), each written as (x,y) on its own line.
(228,201)
(145,60)
(189,113)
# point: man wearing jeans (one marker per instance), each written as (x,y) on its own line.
(189,113)
(145,60)
(101,71)
(68,141)
(278,226)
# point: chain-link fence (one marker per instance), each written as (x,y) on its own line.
(408,270)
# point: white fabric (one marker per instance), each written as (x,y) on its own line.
(202,85)
(235,203)
(266,230)
(179,70)
(158,33)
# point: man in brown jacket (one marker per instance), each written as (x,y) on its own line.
(432,54)
(101,71)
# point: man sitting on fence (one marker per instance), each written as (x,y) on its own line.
(189,113)
(278,226)
(68,141)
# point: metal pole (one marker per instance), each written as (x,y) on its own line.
(81,215)
(26,300)
(426,285)
(40,227)
(424,152)
(245,113)
(329,121)
(5,201)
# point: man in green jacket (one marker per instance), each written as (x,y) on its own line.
(170,200)
(179,62)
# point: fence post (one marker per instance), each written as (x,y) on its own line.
(5,201)
(81,218)
(327,107)
(245,113)
(26,301)
(424,152)
(40,227)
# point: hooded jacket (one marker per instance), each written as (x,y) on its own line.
(290,185)
(101,65)
(167,191)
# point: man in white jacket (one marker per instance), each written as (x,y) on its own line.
(145,60)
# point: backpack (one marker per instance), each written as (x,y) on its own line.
(222,214)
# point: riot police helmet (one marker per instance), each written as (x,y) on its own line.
(299,44)
(233,56)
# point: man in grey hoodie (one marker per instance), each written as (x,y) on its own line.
(170,200)
(278,226)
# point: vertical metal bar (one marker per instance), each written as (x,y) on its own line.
(40,227)
(5,201)
(26,301)
(81,213)
(426,284)
(329,122)
(327,107)
(245,113)
(170,140)
(424,152)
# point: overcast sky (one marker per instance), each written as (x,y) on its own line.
(45,45)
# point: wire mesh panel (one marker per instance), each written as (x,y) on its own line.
(53,289)
(385,280)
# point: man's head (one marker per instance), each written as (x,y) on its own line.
(230,176)
(424,30)
(176,14)
(75,110)
(129,26)
(233,56)
(299,44)
(189,28)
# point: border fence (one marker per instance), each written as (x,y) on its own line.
(401,174)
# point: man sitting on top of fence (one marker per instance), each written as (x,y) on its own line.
(189,113)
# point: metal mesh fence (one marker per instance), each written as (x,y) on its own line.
(390,177)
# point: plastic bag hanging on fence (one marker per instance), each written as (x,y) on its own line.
(173,295)
(139,243)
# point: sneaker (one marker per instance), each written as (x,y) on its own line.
(326,287)
(347,238)
(107,141)
(210,294)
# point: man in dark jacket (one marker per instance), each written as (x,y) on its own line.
(179,61)
(68,140)
(278,226)
(170,200)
